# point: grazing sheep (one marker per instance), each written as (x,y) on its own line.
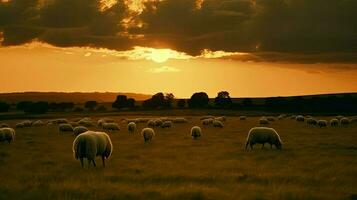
(104,120)
(58,121)
(271,119)
(339,117)
(300,118)
(79,129)
(148,134)
(131,127)
(19,125)
(86,122)
(3,125)
(110,127)
(38,123)
(293,117)
(207,121)
(7,134)
(196,132)
(90,145)
(65,128)
(179,120)
(158,122)
(262,135)
(151,123)
(222,119)
(217,124)
(311,121)
(74,124)
(142,120)
(242,118)
(322,123)
(263,120)
(353,120)
(334,122)
(23,124)
(282,116)
(167,124)
(207,117)
(344,121)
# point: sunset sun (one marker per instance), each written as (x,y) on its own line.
(160,55)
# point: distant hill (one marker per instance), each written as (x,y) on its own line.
(76,97)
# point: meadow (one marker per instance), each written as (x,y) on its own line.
(315,163)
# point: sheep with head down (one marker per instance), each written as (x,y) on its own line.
(322,123)
(151,123)
(263,121)
(311,121)
(217,124)
(7,134)
(91,144)
(262,135)
(271,119)
(334,122)
(38,123)
(222,118)
(79,129)
(158,122)
(167,124)
(207,121)
(242,118)
(131,127)
(300,118)
(65,128)
(344,121)
(148,134)
(196,132)
(110,127)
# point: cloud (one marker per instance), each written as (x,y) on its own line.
(269,30)
(163,69)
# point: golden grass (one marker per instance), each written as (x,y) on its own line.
(314,164)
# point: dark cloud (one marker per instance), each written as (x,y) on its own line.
(271,30)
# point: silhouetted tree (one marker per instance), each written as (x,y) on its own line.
(4,107)
(159,100)
(101,108)
(198,100)
(123,102)
(40,107)
(130,103)
(22,105)
(181,103)
(223,100)
(91,105)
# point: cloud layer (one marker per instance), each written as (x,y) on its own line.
(270,30)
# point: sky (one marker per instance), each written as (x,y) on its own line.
(251,48)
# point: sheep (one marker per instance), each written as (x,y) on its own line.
(196,132)
(339,117)
(282,116)
(334,122)
(222,119)
(58,121)
(217,124)
(151,123)
(293,117)
(142,120)
(242,118)
(86,122)
(7,134)
(311,121)
(65,128)
(322,123)
(104,120)
(19,125)
(300,118)
(131,127)
(167,124)
(38,123)
(207,117)
(158,122)
(271,119)
(74,124)
(23,124)
(79,129)
(148,134)
(91,144)
(179,120)
(207,121)
(344,121)
(263,120)
(3,125)
(262,135)
(110,127)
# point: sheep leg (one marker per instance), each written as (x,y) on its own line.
(81,159)
(251,146)
(103,160)
(263,145)
(94,163)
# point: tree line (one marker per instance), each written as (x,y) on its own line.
(200,100)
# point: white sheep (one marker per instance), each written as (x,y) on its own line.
(166,124)
(131,127)
(148,134)
(271,119)
(311,121)
(90,145)
(65,128)
(344,121)
(79,130)
(58,121)
(19,125)
(196,132)
(7,134)
(263,120)
(207,117)
(207,121)
(262,135)
(104,120)
(242,118)
(110,127)
(38,123)
(86,122)
(158,122)
(217,124)
(151,123)
(322,123)
(222,118)
(3,125)
(334,122)
(300,118)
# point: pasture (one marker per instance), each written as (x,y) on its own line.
(315,163)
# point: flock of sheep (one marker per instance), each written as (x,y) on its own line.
(89,144)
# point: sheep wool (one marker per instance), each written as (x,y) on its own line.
(65,128)
(131,127)
(79,130)
(91,144)
(334,122)
(322,123)
(196,132)
(166,124)
(110,127)
(262,135)
(148,134)
(217,124)
(7,134)
(344,121)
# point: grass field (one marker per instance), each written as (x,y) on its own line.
(314,164)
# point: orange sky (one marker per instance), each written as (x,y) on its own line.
(38,67)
